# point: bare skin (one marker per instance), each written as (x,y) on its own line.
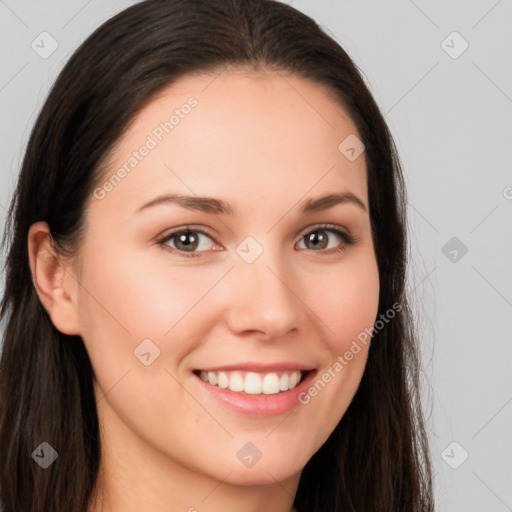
(265,144)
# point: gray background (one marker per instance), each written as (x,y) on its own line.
(451,118)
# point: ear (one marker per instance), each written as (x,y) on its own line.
(54,279)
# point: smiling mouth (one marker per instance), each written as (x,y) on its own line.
(254,383)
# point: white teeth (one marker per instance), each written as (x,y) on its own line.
(253,383)
(223,381)
(270,384)
(284,382)
(236,383)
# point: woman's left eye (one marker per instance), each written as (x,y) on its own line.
(190,242)
(320,239)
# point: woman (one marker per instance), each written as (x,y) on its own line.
(204,301)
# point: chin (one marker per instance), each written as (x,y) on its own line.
(263,475)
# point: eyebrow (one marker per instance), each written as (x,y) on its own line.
(219,207)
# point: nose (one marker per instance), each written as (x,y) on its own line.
(262,298)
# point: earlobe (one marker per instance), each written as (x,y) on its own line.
(53,279)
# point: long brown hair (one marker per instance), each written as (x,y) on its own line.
(377,458)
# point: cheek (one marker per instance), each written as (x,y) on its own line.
(140,297)
(346,300)
(120,304)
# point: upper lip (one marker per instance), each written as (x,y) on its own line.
(259,367)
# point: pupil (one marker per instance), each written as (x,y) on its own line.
(183,237)
(313,237)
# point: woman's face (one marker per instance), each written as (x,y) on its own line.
(259,286)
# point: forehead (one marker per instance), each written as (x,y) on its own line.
(238,135)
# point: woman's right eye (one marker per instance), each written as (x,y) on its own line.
(186,242)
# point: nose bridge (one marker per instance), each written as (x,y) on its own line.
(261,294)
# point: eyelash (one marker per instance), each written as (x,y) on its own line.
(346,237)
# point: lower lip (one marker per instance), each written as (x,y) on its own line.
(258,405)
